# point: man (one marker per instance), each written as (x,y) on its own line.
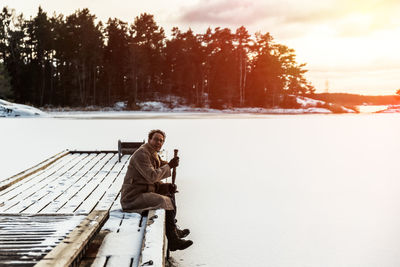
(143,190)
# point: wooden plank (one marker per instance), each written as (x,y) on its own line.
(85,190)
(51,193)
(39,174)
(117,173)
(39,215)
(93,151)
(112,193)
(91,251)
(154,246)
(70,249)
(21,238)
(22,175)
(114,221)
(17,192)
(95,191)
(99,262)
(31,194)
(121,247)
(113,225)
(63,199)
(18,245)
(31,237)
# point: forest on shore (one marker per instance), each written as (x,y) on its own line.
(76,60)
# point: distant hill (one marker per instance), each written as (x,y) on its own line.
(355,100)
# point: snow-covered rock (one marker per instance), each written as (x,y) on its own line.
(348,110)
(319,106)
(120,106)
(8,109)
(309,110)
(153,106)
(307,102)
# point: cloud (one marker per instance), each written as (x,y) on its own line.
(342,15)
(250,12)
(255,15)
(226,12)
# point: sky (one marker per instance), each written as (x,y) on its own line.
(349,46)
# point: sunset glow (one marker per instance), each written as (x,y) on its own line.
(352,44)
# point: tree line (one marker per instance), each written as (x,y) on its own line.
(76,61)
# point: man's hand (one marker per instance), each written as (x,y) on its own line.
(166,189)
(173,162)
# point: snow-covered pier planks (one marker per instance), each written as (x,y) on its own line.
(25,239)
(70,250)
(29,172)
(129,239)
(154,247)
(123,237)
(76,183)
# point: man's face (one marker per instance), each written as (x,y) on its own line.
(157,141)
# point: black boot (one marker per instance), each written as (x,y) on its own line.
(174,242)
(182,233)
(179,244)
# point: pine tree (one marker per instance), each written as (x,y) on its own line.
(183,66)
(221,79)
(116,59)
(13,52)
(39,43)
(147,42)
(82,54)
(243,48)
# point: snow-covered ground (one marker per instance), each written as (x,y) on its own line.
(256,190)
(307,105)
(371,108)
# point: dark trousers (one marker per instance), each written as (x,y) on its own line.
(170,225)
(170,221)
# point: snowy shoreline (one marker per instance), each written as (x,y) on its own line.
(154,108)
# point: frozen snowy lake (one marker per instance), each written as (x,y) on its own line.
(256,190)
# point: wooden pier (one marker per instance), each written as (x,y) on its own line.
(55,212)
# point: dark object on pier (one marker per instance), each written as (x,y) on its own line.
(127,148)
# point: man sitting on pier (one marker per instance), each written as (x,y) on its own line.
(143,190)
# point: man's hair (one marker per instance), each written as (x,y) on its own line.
(152,132)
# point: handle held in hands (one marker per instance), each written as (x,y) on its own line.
(174,169)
